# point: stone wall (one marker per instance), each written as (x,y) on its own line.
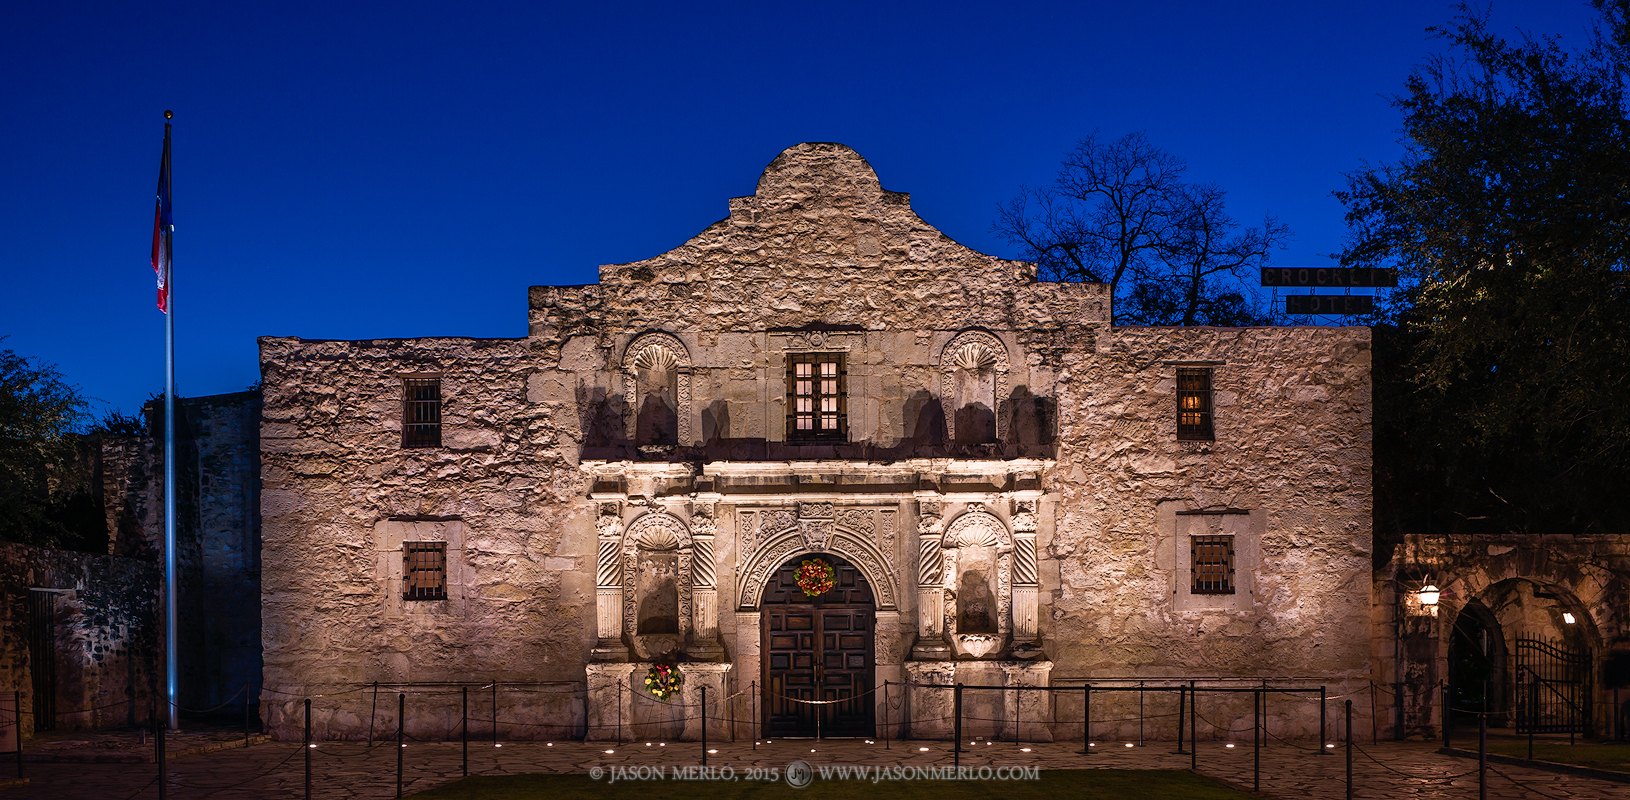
(1523,584)
(543,472)
(106,634)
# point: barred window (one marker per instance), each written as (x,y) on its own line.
(421,412)
(1194,404)
(816,409)
(1212,562)
(424,570)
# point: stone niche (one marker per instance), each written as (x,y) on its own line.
(976,584)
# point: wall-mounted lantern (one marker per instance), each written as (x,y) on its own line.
(1567,617)
(1429,595)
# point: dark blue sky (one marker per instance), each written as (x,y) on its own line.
(347,170)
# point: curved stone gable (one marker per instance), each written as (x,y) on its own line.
(822,243)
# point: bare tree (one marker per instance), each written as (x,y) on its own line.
(1120,213)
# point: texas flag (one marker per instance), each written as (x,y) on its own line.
(163,227)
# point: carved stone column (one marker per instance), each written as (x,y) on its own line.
(1026,627)
(690,693)
(704,592)
(930,710)
(608,586)
(609,700)
(931,644)
(1025,714)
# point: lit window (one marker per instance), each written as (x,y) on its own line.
(1212,561)
(815,397)
(421,412)
(424,570)
(1194,404)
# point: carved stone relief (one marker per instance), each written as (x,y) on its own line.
(974,350)
(657,531)
(658,349)
(979,531)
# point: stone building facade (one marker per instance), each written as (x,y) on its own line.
(82,634)
(1010,491)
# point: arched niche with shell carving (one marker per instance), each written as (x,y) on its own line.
(656,372)
(657,578)
(973,387)
(978,574)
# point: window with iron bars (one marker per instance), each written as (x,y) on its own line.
(1194,404)
(421,412)
(1211,560)
(424,570)
(816,408)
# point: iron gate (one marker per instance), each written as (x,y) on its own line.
(42,657)
(1553,687)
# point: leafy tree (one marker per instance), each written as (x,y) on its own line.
(40,414)
(1120,213)
(1502,386)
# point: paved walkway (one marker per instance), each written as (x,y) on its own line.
(352,770)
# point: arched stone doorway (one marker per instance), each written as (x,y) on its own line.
(818,649)
(1523,651)
(1477,666)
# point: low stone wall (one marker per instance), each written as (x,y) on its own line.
(106,634)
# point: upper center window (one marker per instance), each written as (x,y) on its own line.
(815,397)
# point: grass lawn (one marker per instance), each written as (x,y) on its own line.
(1075,784)
(1600,755)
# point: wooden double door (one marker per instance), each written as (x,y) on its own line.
(818,649)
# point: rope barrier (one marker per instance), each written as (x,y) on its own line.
(1525,786)
(143,789)
(1367,755)
(214,789)
(224,704)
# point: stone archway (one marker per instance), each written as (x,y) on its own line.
(819,653)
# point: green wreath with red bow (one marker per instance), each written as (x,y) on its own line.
(816,577)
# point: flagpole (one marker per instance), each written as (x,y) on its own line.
(171,672)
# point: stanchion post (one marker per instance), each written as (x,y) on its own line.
(1182,708)
(1349,750)
(464,728)
(159,730)
(1533,711)
(495,713)
(1194,729)
(755,714)
(245,713)
(885,714)
(1086,720)
(1375,731)
(372,712)
(401,719)
(956,703)
(619,716)
(1256,740)
(17,719)
(1483,752)
(1448,716)
(1323,729)
(1140,713)
(704,725)
(307,744)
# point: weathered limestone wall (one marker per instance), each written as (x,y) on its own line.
(338,488)
(107,632)
(542,458)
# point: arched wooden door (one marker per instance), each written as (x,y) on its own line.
(818,648)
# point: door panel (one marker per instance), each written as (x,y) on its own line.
(818,648)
